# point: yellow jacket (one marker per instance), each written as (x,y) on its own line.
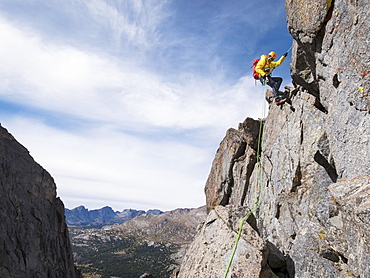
(264,64)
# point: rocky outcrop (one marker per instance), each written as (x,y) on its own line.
(34,238)
(310,191)
(233,165)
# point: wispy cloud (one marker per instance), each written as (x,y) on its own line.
(111,165)
(66,80)
(132,22)
(125,102)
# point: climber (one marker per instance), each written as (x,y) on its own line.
(265,67)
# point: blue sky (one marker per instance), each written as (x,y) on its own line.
(125,102)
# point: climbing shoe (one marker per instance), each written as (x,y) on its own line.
(281,101)
(284,94)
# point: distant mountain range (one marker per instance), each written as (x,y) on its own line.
(147,243)
(82,217)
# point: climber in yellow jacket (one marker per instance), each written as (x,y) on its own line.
(265,67)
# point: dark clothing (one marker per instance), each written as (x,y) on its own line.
(274,83)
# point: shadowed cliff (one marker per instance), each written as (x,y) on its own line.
(34,238)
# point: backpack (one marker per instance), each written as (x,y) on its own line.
(255,74)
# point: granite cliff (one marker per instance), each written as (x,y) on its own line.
(310,190)
(34,239)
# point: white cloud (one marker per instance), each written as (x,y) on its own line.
(131,21)
(63,79)
(117,156)
(109,165)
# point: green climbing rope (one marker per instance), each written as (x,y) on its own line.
(259,181)
(257,204)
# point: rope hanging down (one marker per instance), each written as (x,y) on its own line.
(257,204)
(259,181)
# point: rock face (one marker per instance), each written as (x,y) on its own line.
(215,241)
(34,238)
(310,193)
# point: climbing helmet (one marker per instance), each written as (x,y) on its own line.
(272,54)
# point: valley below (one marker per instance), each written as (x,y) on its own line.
(148,243)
